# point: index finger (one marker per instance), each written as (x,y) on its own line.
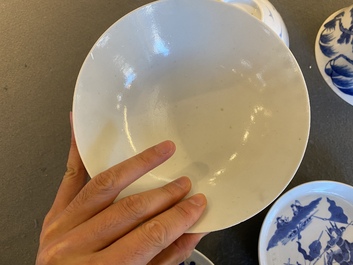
(102,190)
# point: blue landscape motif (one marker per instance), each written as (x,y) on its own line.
(340,67)
(331,245)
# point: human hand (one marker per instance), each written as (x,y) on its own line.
(84,226)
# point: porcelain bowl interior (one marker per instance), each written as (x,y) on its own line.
(209,77)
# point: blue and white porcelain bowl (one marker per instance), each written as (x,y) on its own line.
(266,13)
(334,52)
(310,224)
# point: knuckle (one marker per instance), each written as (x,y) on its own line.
(48,219)
(105,181)
(77,202)
(155,234)
(44,259)
(169,191)
(48,233)
(72,172)
(143,160)
(134,206)
(183,212)
(51,255)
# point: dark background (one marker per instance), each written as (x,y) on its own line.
(42,47)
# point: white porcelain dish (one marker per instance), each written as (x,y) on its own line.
(310,224)
(334,53)
(214,80)
(197,258)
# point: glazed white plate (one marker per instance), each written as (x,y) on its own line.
(310,224)
(213,79)
(197,258)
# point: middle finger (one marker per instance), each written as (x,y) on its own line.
(123,216)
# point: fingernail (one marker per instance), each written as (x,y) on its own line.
(164,148)
(198,199)
(183,182)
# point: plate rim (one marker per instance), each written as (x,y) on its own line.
(199,254)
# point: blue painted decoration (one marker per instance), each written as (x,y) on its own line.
(340,67)
(330,246)
(289,229)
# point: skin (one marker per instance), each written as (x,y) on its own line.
(84,226)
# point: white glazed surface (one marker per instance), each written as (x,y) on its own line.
(335,57)
(322,208)
(265,12)
(197,258)
(213,79)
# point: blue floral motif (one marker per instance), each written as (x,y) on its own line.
(331,245)
(340,67)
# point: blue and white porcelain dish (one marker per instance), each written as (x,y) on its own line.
(197,258)
(310,224)
(334,52)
